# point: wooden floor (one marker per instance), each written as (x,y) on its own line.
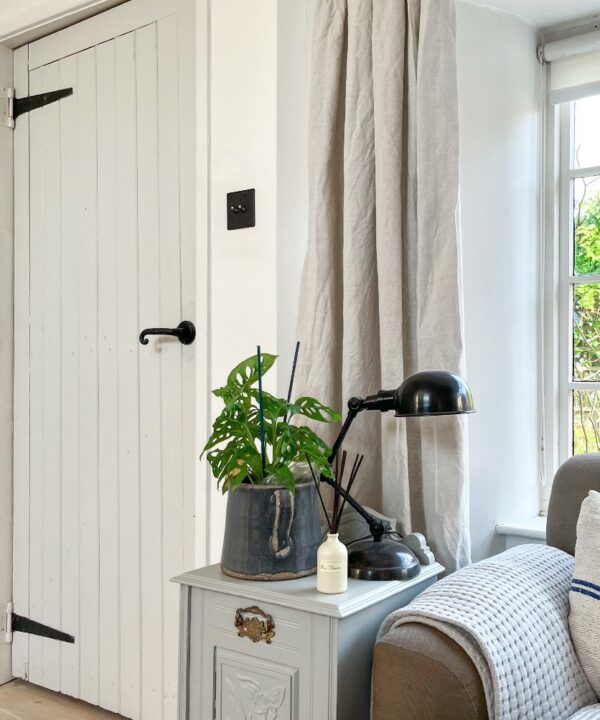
(22,701)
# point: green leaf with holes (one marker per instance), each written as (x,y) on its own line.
(233,448)
(246,373)
(315,410)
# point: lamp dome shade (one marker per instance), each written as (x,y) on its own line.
(433,392)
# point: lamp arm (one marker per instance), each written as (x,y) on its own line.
(355,405)
(376,527)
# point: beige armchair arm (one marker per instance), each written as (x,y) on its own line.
(421,674)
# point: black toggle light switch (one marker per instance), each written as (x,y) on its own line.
(240,209)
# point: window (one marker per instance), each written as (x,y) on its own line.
(569,331)
(579,277)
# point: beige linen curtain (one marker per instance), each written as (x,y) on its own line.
(381,291)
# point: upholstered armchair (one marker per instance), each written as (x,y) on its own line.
(419,673)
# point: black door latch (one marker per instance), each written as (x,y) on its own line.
(185,332)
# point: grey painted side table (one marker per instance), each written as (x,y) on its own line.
(281,650)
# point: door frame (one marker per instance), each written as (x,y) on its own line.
(46,18)
(39,21)
(6,375)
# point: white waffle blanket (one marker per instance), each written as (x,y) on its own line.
(510,614)
(589,713)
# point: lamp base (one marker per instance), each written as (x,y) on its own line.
(383,560)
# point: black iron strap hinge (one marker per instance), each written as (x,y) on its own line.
(13,106)
(18,623)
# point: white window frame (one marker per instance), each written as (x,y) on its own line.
(558,283)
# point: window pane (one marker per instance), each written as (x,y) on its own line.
(586,225)
(587,139)
(586,421)
(586,332)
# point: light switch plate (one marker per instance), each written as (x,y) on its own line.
(240,209)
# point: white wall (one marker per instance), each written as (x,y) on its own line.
(498,106)
(498,79)
(259,137)
(243,154)
(292,175)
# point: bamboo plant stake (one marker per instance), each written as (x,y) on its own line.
(292,377)
(263,454)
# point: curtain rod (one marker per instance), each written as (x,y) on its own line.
(567,47)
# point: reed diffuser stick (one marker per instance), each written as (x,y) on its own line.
(352,478)
(316,482)
(261,412)
(339,478)
(343,467)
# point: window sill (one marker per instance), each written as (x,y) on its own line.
(533,529)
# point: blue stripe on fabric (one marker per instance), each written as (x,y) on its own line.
(586,583)
(589,593)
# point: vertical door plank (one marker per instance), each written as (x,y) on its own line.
(51,400)
(36,383)
(128,397)
(108,380)
(171,357)
(150,380)
(70,332)
(194,429)
(88,376)
(192,109)
(21,370)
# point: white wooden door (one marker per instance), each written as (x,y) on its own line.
(105,446)
(6,363)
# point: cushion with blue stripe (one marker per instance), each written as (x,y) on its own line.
(584,616)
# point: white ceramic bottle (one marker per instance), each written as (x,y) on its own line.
(332,566)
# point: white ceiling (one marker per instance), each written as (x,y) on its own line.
(544,13)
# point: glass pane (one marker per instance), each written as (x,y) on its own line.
(586,421)
(587,139)
(586,332)
(586,225)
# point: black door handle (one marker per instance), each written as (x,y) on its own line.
(185,332)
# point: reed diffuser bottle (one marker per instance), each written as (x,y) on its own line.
(332,555)
(332,565)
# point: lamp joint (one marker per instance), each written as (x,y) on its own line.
(377,529)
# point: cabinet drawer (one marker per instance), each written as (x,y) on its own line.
(290,634)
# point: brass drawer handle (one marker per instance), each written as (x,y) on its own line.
(255,624)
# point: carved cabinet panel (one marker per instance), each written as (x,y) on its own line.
(251,689)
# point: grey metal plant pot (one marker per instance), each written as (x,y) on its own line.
(271,533)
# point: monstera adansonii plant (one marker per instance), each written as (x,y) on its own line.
(234,446)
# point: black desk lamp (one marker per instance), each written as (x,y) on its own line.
(423,394)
